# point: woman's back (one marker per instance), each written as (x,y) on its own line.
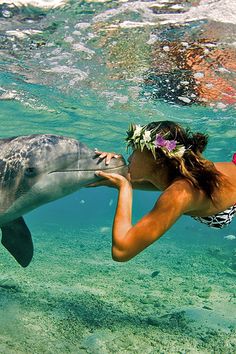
(228,194)
(219,211)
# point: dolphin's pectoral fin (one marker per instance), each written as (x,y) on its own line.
(16,237)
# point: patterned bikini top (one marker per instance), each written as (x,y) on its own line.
(222,219)
(219,220)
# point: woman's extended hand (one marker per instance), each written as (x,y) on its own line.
(113,179)
(106,155)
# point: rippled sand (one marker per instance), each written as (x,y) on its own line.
(74,299)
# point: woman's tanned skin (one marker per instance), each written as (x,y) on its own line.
(179,197)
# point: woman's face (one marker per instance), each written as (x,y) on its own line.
(140,166)
(144,168)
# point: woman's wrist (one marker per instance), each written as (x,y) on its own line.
(125,184)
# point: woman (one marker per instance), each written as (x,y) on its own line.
(168,158)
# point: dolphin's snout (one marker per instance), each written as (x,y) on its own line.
(116,165)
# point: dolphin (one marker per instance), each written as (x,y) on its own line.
(38,169)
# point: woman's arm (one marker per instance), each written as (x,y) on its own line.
(128,240)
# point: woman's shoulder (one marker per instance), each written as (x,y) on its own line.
(184,186)
(228,170)
(201,205)
(226,192)
(182,193)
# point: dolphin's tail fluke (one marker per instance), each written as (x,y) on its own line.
(16,237)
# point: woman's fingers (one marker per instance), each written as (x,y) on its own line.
(113,180)
(106,180)
(103,154)
(102,174)
(107,155)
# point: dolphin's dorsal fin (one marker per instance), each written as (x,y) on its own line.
(16,237)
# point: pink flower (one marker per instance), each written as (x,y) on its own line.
(160,142)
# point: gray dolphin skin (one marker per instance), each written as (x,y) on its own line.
(35,170)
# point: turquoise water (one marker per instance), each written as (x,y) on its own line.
(86,70)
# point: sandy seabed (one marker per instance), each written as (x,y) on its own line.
(73,298)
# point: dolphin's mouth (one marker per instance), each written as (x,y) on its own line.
(91,170)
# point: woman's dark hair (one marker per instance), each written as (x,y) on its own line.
(200,172)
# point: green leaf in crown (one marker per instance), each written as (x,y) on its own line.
(139,137)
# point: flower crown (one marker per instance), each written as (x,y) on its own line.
(140,137)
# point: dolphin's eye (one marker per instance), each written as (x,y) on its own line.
(30,171)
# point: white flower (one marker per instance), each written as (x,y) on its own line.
(137,131)
(147,136)
(180,151)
